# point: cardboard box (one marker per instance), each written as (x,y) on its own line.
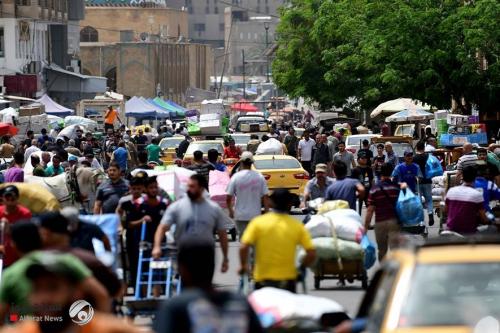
(211,116)
(26,111)
(210,127)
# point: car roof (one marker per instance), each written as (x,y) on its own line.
(363,135)
(173,138)
(240,134)
(270,157)
(208,141)
(251,118)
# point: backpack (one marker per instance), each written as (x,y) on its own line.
(433,167)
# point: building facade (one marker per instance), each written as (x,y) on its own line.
(150,69)
(111,22)
(33,35)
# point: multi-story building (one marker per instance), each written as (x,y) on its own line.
(39,44)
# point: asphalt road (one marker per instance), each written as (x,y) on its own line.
(348,296)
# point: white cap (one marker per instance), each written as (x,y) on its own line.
(247,156)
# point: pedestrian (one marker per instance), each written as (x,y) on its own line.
(132,150)
(291,142)
(407,172)
(141,140)
(382,202)
(56,168)
(334,141)
(306,146)
(316,187)
(15,174)
(44,139)
(154,151)
(431,144)
(121,156)
(232,151)
(195,218)
(30,136)
(365,150)
(38,170)
(31,149)
(200,166)
(58,289)
(6,148)
(72,161)
(201,307)
(15,288)
(469,158)
(391,156)
(275,237)
(130,212)
(378,161)
(79,138)
(464,205)
(183,146)
(213,159)
(153,207)
(11,212)
(54,231)
(344,188)
(110,191)
(111,145)
(488,170)
(110,117)
(425,183)
(489,189)
(253,144)
(93,162)
(345,156)
(364,174)
(46,157)
(385,129)
(249,188)
(321,152)
(72,148)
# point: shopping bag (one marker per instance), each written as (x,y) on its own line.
(370,250)
(433,167)
(409,208)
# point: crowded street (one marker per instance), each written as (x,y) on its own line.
(249,166)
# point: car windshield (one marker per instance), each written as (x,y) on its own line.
(277,164)
(405,130)
(398,148)
(452,295)
(241,139)
(204,147)
(171,143)
(357,140)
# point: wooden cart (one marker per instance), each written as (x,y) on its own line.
(349,270)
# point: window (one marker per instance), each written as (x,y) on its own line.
(2,44)
(216,10)
(89,34)
(221,27)
(199,27)
(207,10)
(249,35)
(256,36)
(190,10)
(277,164)
(267,9)
(242,36)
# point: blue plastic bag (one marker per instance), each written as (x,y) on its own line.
(370,250)
(433,167)
(409,208)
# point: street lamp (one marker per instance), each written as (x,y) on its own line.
(266,26)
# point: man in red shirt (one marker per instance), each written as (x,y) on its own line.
(10,212)
(232,151)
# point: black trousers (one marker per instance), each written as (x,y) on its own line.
(307,166)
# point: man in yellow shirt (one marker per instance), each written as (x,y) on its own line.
(275,237)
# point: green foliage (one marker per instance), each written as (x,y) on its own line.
(374,50)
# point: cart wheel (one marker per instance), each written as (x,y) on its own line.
(317,281)
(364,281)
(233,234)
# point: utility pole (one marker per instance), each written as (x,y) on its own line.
(244,83)
(266,26)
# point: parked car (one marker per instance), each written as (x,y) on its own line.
(354,142)
(241,140)
(203,146)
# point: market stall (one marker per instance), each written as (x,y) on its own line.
(456,130)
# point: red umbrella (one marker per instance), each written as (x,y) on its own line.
(7,129)
(244,106)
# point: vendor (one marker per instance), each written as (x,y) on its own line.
(232,151)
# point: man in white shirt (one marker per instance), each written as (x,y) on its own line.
(306,146)
(431,144)
(31,149)
(250,190)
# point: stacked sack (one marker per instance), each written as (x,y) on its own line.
(337,232)
(438,188)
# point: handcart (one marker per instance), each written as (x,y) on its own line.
(156,281)
(342,270)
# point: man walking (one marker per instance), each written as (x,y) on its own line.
(121,156)
(200,166)
(321,152)
(110,191)
(344,188)
(31,149)
(407,172)
(275,237)
(469,158)
(195,219)
(316,187)
(345,156)
(250,190)
(306,146)
(15,174)
(37,167)
(291,142)
(364,173)
(391,156)
(382,202)
(425,184)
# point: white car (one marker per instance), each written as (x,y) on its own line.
(354,142)
(241,140)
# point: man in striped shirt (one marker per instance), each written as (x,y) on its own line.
(464,205)
(469,158)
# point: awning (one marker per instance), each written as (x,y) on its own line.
(244,106)
(172,108)
(397,105)
(136,108)
(53,108)
(61,80)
